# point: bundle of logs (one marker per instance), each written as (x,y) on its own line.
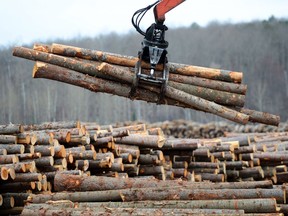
(75,168)
(215,91)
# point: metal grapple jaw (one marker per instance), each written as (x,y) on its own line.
(154,54)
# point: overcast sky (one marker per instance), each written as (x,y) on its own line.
(26,21)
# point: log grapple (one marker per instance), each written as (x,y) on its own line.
(154,47)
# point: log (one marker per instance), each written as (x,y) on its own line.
(11,129)
(18,168)
(191,100)
(209,83)
(129,61)
(43,138)
(133,150)
(148,159)
(248,205)
(60,151)
(13,148)
(6,159)
(27,177)
(127,157)
(16,186)
(3,152)
(19,198)
(182,144)
(29,156)
(220,97)
(45,150)
(92,69)
(44,161)
(42,70)
(82,164)
(64,182)
(34,209)
(24,138)
(4,173)
(52,126)
(150,141)
(8,202)
(6,139)
(141,194)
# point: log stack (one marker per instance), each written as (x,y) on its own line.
(181,128)
(134,170)
(215,91)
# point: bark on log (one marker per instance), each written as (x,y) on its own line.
(141,194)
(183,97)
(6,139)
(11,129)
(220,97)
(87,196)
(182,144)
(52,126)
(32,210)
(129,61)
(18,168)
(27,177)
(248,205)
(91,69)
(45,150)
(3,152)
(19,198)
(68,76)
(6,159)
(77,183)
(150,141)
(209,83)
(133,150)
(13,148)
(8,202)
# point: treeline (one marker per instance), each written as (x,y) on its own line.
(258,49)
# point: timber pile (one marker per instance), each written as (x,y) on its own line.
(215,91)
(65,168)
(190,129)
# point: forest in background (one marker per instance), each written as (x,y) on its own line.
(259,49)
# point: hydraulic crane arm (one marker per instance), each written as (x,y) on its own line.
(163,7)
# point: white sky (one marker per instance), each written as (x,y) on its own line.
(26,21)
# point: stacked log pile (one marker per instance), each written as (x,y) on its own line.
(215,91)
(190,129)
(86,168)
